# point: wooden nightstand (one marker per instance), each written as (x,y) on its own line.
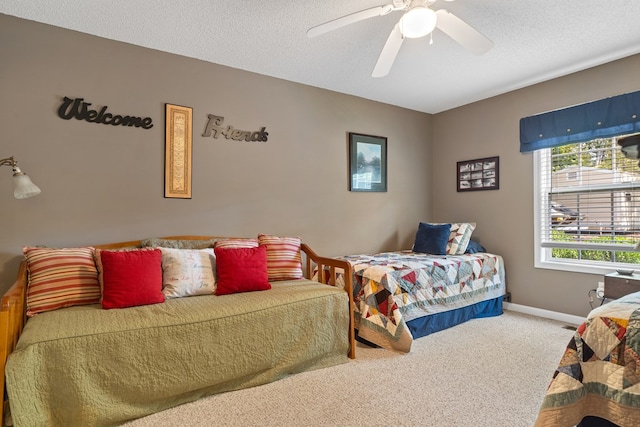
(618,285)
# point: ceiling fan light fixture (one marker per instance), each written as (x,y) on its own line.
(418,22)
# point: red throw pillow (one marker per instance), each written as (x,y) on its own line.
(241,270)
(131,278)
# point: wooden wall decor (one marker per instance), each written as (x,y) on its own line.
(178,152)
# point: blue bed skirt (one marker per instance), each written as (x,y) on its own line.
(437,322)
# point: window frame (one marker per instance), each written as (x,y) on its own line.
(542,254)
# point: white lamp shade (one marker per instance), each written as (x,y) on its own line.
(418,22)
(23,187)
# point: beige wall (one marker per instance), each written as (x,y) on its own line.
(104,184)
(505,217)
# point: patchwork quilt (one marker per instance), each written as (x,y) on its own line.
(393,288)
(599,373)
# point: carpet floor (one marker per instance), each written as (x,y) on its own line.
(489,372)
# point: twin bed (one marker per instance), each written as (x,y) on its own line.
(84,363)
(445,279)
(400,296)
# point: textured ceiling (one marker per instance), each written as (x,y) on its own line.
(535,40)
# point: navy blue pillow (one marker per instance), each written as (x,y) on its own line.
(432,238)
(474,247)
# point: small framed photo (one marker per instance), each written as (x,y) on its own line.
(478,174)
(367,163)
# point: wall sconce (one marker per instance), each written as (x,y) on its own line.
(23,187)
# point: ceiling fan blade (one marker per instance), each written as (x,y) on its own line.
(348,19)
(389,52)
(467,36)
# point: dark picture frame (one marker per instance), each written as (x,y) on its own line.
(367,163)
(478,174)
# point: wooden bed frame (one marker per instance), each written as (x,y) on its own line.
(13,303)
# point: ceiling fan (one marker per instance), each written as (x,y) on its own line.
(417,21)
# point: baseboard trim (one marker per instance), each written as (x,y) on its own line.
(548,314)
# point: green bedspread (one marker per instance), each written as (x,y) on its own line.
(88,366)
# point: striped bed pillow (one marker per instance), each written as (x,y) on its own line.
(60,278)
(283,257)
(233,243)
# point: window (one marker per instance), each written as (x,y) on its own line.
(587,200)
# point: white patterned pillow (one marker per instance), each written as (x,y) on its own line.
(187,272)
(459,237)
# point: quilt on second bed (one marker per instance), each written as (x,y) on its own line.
(393,288)
(599,373)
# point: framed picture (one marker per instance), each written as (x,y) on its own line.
(479,174)
(367,163)
(177,159)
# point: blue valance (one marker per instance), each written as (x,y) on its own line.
(605,118)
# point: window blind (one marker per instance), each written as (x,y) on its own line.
(590,201)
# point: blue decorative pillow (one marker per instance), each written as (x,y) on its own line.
(474,247)
(432,238)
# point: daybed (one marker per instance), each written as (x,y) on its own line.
(87,365)
(597,381)
(403,295)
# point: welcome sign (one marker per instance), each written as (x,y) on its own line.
(78,109)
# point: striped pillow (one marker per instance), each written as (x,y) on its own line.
(283,257)
(60,278)
(236,243)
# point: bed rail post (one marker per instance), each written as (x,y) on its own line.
(12,320)
(334,268)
